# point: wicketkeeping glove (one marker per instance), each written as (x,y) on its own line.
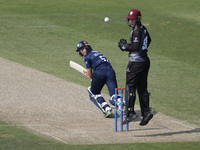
(123,45)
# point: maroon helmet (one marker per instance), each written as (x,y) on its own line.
(134,14)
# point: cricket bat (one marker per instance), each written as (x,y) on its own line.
(78,68)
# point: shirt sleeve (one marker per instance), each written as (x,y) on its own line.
(88,62)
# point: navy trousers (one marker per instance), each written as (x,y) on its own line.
(101,77)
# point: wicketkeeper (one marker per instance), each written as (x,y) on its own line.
(101,72)
(138,68)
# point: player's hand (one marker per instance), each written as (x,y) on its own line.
(86,73)
(123,45)
(123,41)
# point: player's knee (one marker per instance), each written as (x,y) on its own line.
(132,91)
(99,101)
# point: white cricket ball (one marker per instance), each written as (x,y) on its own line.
(106,19)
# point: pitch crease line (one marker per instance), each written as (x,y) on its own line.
(183,124)
(47,134)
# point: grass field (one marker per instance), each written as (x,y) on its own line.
(43,35)
(18,138)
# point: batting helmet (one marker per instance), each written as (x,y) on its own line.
(83,44)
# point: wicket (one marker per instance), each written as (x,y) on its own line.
(121,98)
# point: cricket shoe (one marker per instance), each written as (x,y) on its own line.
(107,114)
(146,119)
(130,118)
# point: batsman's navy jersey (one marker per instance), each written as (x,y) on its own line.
(103,72)
(96,60)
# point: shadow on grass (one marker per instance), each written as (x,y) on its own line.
(196,130)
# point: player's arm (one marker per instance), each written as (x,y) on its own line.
(135,46)
(89,71)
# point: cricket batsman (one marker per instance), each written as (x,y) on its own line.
(101,72)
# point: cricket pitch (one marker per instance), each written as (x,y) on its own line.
(62,110)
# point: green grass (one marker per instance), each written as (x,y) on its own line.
(18,138)
(43,35)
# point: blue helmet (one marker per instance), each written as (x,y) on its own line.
(83,44)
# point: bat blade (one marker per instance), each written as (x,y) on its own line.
(79,68)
